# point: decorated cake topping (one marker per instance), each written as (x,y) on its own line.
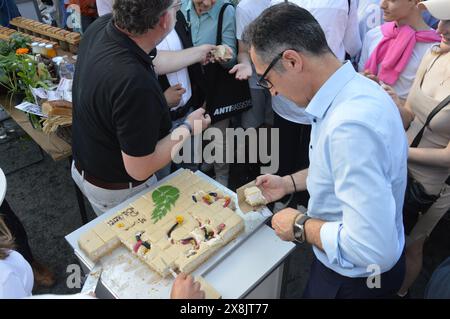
(186,241)
(164,198)
(179,220)
(191,253)
(227,201)
(220,228)
(140,242)
(177,225)
(210,198)
(190,240)
(208,233)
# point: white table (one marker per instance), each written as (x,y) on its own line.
(2,186)
(253,268)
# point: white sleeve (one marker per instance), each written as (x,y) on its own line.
(242,21)
(352,38)
(13,288)
(104,7)
(163,46)
(324,16)
(364,53)
(274,2)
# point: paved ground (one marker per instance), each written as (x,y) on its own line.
(42,195)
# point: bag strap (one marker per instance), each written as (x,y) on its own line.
(213,70)
(182,26)
(188,20)
(433,113)
(220,23)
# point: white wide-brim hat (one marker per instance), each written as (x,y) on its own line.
(440,9)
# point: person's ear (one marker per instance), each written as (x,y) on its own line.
(164,20)
(293,60)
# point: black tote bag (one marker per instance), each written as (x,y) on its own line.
(226,96)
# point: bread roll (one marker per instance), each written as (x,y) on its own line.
(58,107)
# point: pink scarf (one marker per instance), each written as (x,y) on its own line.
(395,50)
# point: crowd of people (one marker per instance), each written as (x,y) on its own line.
(359,91)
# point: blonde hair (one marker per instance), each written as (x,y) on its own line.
(6,240)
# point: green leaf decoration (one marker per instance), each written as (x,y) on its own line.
(164,198)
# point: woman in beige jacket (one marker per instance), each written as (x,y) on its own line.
(429,163)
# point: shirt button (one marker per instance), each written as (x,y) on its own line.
(315,121)
(310,147)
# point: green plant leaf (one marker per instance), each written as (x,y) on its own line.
(18,40)
(164,198)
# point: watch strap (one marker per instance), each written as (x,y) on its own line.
(299,223)
(302,219)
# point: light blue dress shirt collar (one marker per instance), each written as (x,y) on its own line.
(323,99)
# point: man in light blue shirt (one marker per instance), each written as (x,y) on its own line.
(358,156)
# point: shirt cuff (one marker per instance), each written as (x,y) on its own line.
(329,235)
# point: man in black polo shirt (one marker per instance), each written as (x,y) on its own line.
(121,121)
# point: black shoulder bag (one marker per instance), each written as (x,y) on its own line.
(226,96)
(416,198)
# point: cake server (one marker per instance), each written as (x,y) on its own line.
(90,285)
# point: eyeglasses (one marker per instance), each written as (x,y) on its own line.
(262,81)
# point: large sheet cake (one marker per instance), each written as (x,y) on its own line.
(176,226)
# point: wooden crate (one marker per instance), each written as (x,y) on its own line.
(6,33)
(67,40)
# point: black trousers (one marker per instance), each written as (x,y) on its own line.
(324,283)
(17,230)
(294,154)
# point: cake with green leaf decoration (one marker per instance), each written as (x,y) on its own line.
(177,226)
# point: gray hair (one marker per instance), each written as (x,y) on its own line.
(282,27)
(138,16)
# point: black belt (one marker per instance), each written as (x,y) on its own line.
(102,184)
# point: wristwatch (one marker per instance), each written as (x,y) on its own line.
(299,228)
